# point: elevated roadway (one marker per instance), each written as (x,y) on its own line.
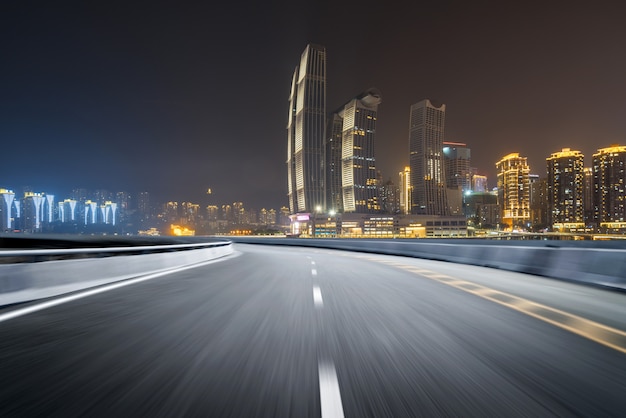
(306,332)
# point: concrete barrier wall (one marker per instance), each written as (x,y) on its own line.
(599,266)
(22,282)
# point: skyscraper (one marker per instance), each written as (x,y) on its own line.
(457,159)
(334,194)
(356,121)
(306,132)
(588,191)
(514,190)
(609,177)
(565,189)
(405,190)
(426,136)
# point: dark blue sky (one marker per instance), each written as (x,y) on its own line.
(175,99)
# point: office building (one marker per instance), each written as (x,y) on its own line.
(334,192)
(426,136)
(565,183)
(479,183)
(609,188)
(359,190)
(457,160)
(306,133)
(514,191)
(481,209)
(405,190)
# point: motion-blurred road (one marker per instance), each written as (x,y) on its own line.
(295,332)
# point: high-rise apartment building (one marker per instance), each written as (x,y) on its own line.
(306,133)
(355,124)
(7,197)
(405,190)
(514,190)
(334,192)
(588,191)
(48,208)
(426,136)
(32,211)
(565,190)
(609,175)
(538,202)
(144,207)
(457,160)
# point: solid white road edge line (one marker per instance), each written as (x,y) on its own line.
(317,297)
(330,396)
(65,299)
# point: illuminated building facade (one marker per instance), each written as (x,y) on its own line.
(389,197)
(479,183)
(565,190)
(405,190)
(7,197)
(110,213)
(90,212)
(588,196)
(539,204)
(426,135)
(144,208)
(609,198)
(481,208)
(212,212)
(48,208)
(67,210)
(457,159)
(32,211)
(306,132)
(514,190)
(334,192)
(358,164)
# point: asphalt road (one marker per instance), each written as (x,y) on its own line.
(303,332)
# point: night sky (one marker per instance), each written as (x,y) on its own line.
(176,99)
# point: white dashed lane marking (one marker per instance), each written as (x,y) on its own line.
(330,396)
(317,297)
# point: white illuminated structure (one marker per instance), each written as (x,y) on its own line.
(306,132)
(33,209)
(90,212)
(68,213)
(109,211)
(8,198)
(50,206)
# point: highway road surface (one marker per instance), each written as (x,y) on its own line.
(303,332)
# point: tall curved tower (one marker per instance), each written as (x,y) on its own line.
(306,131)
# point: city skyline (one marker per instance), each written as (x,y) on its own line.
(129,98)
